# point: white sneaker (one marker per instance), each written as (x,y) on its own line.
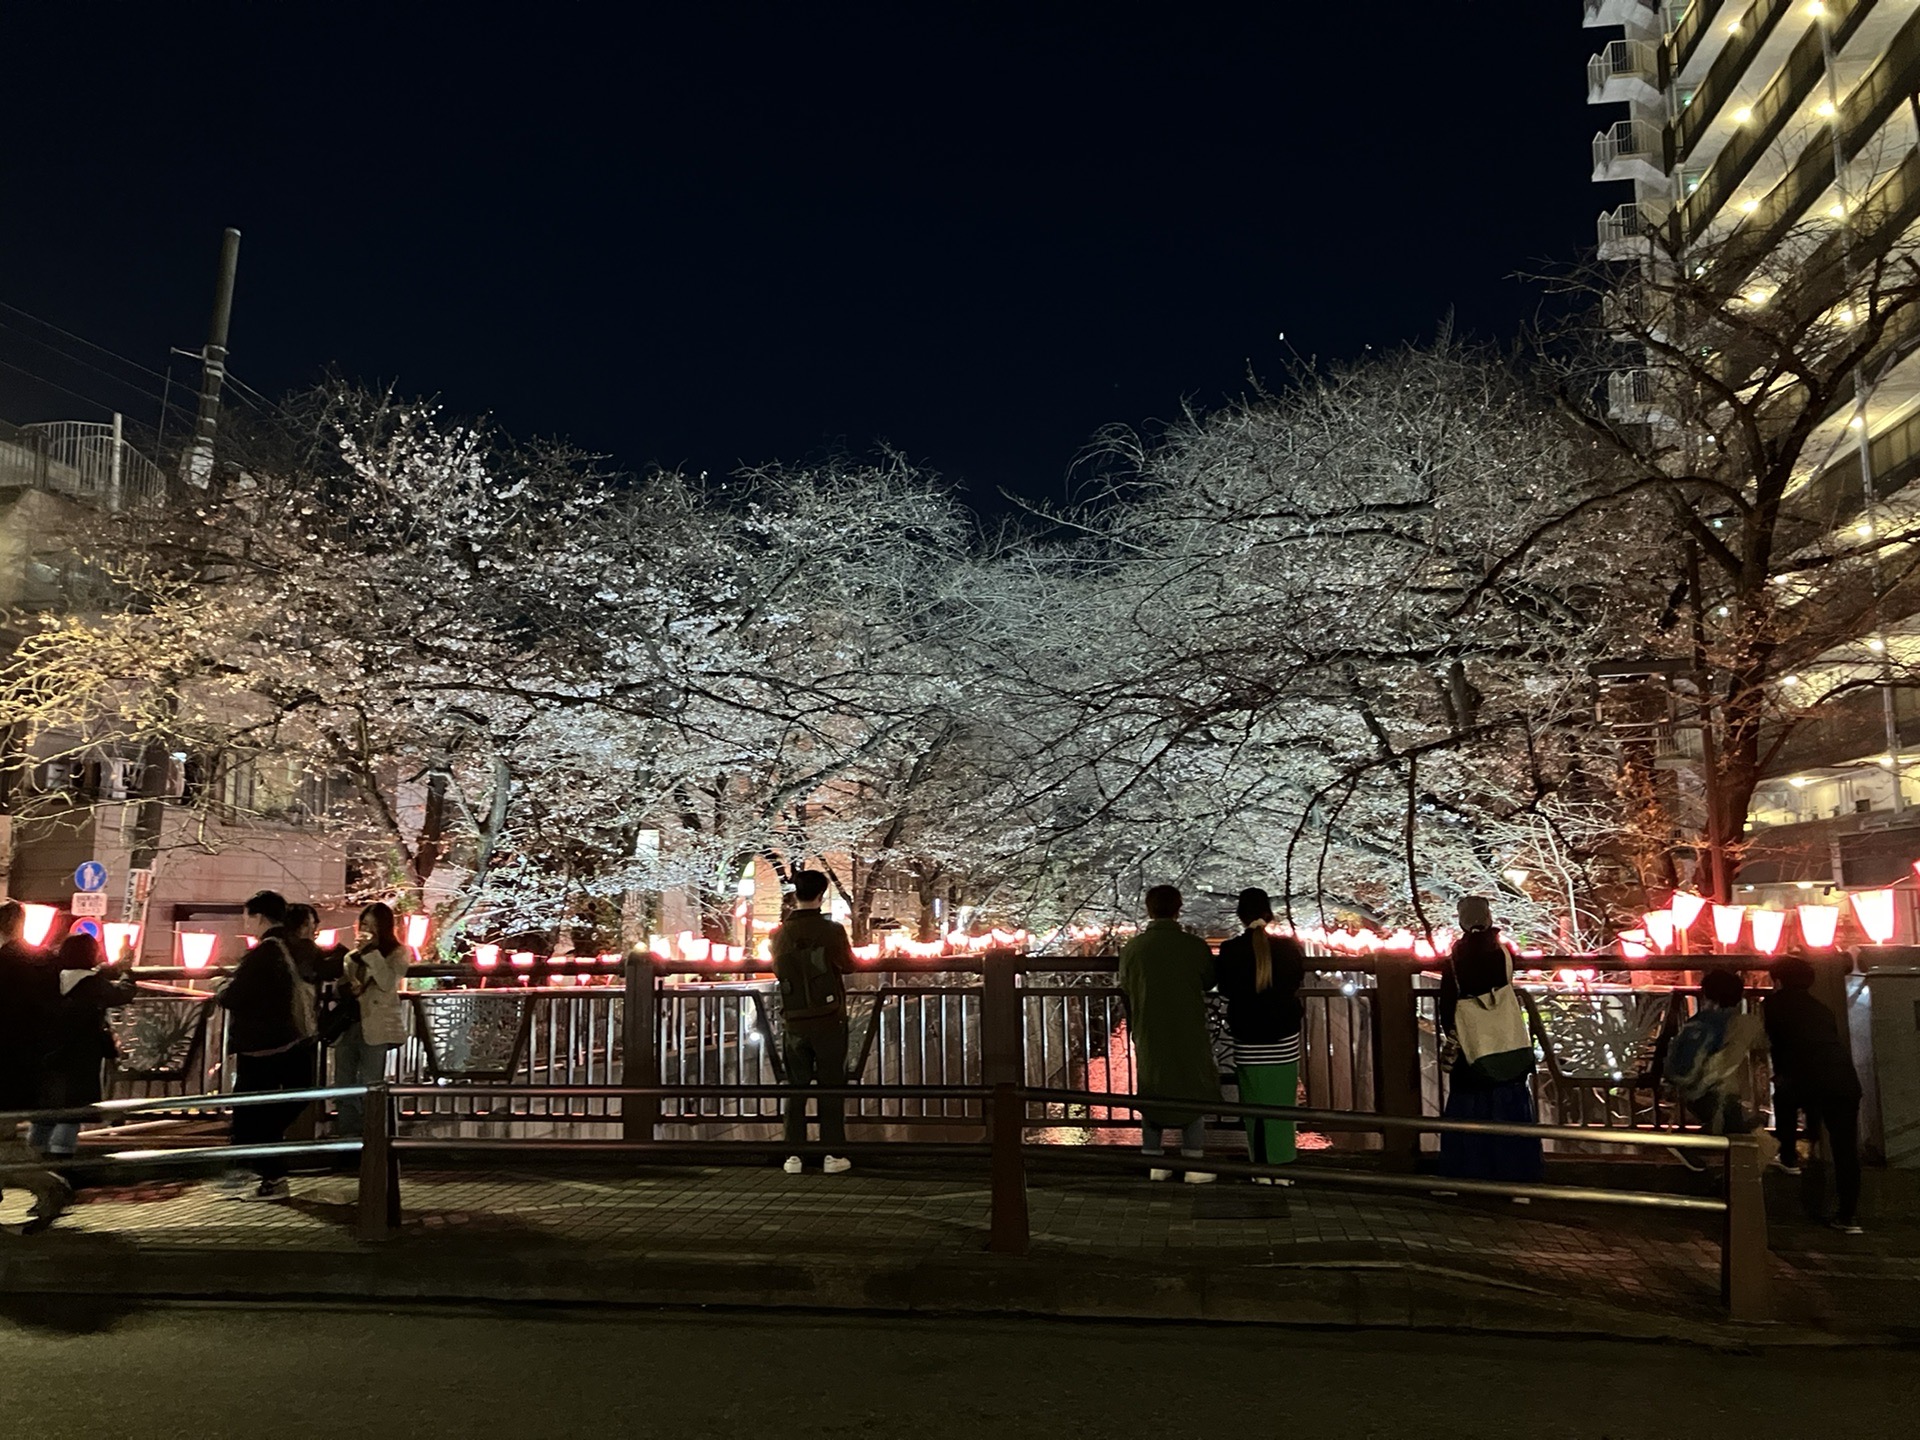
(834,1165)
(793,1165)
(1156,1173)
(1201,1177)
(267,1190)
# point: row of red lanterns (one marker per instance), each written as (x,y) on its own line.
(1818,924)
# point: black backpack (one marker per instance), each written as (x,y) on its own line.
(810,986)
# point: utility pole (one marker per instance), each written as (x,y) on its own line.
(196,464)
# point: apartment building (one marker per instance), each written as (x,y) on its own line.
(225,830)
(1763,132)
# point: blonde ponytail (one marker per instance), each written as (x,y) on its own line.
(1262,955)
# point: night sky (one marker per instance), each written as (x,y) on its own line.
(703,235)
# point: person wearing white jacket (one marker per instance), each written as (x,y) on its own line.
(375,975)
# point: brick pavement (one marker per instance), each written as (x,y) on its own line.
(1628,1260)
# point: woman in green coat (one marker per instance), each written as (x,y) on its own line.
(1166,973)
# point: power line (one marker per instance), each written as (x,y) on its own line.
(54,385)
(85,364)
(81,340)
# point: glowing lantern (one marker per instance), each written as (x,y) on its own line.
(1767,926)
(486,956)
(120,939)
(660,947)
(196,948)
(416,934)
(1659,925)
(37,923)
(252,940)
(522,958)
(1817,924)
(609,957)
(695,947)
(1726,924)
(1685,909)
(1874,910)
(326,939)
(1400,941)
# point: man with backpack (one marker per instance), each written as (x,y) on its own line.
(270,1030)
(1707,1055)
(810,954)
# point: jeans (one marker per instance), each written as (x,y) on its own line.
(355,1062)
(1192,1138)
(51,1139)
(816,1057)
(267,1124)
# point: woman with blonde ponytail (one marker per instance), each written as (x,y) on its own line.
(1260,973)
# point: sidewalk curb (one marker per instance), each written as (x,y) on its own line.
(1340,1295)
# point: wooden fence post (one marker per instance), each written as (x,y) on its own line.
(1745,1263)
(1007,1232)
(639,1048)
(379,1198)
(1396,1053)
(1002,1045)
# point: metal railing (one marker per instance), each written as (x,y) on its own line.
(83,461)
(1629,142)
(1624,69)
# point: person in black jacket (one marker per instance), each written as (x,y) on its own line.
(1813,1072)
(810,955)
(270,1027)
(24,1002)
(75,1040)
(1260,975)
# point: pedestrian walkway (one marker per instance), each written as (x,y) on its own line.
(898,1220)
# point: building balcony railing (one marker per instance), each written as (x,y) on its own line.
(1626,71)
(1626,232)
(82,461)
(1633,396)
(1643,15)
(1630,150)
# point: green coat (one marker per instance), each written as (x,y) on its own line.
(1166,973)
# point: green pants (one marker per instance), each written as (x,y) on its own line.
(1270,1142)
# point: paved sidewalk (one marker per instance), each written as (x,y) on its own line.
(898,1237)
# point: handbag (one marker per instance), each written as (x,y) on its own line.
(339,1012)
(1493,1033)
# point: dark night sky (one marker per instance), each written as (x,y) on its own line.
(706,234)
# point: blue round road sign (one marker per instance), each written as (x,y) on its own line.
(90,877)
(87,927)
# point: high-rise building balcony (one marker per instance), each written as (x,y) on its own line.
(1633,396)
(1643,15)
(1626,232)
(1627,71)
(1631,150)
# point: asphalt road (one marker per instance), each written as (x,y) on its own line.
(420,1375)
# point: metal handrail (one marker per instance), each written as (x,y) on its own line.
(195,1154)
(235,1101)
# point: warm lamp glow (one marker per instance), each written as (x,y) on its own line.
(1686,908)
(522,958)
(610,957)
(196,948)
(416,932)
(1767,928)
(119,939)
(695,947)
(1659,925)
(326,939)
(1874,910)
(37,923)
(1726,923)
(486,956)
(1817,924)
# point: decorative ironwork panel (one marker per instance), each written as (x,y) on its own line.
(473,1035)
(157,1036)
(1602,1035)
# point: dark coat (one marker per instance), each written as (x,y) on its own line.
(1810,1055)
(27,990)
(1166,973)
(265,1014)
(1261,1017)
(77,1039)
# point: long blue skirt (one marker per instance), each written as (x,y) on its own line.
(1490,1157)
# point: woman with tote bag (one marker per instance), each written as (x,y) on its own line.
(1492,1076)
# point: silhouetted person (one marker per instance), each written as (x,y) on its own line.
(1492,1075)
(810,955)
(270,1027)
(1813,1072)
(75,1039)
(1166,972)
(24,1003)
(1260,975)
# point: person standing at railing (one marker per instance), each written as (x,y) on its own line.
(1813,1072)
(75,1039)
(1492,1074)
(1260,975)
(24,1003)
(270,1030)
(374,975)
(810,955)
(1166,972)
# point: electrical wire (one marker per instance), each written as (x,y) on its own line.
(81,340)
